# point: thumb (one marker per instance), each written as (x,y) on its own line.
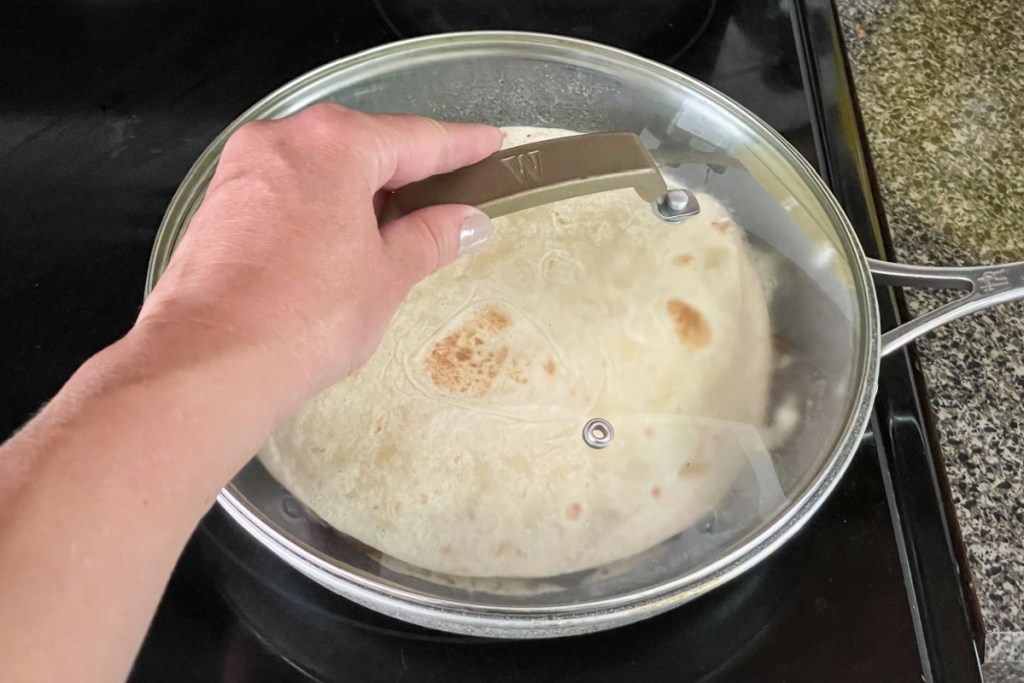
(428,239)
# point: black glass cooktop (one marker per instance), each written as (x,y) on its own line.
(103,107)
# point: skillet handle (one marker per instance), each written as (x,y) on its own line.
(986,286)
(548,171)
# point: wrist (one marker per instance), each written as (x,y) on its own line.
(212,365)
(150,403)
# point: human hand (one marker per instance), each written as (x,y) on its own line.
(282,285)
(284,260)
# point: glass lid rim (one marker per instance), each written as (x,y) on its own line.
(669,593)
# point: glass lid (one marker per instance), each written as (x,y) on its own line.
(651,375)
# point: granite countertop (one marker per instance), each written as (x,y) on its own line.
(941,87)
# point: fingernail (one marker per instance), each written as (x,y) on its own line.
(476,230)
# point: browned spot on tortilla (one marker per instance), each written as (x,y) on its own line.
(649,430)
(691,326)
(462,363)
(694,469)
(492,319)
(504,548)
(656,492)
(319,450)
(549,366)
(516,372)
(397,506)
(423,498)
(721,226)
(445,549)
(683,260)
(573,511)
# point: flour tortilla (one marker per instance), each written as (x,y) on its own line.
(457,448)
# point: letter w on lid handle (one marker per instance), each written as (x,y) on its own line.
(524,167)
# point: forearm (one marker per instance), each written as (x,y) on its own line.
(98,495)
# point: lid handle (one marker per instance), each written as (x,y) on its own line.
(548,171)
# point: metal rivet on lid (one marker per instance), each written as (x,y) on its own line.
(291,508)
(598,433)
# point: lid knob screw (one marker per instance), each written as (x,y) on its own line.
(676,205)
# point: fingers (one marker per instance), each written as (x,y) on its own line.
(423,241)
(413,148)
(391,149)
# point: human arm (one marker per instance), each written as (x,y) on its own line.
(282,285)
